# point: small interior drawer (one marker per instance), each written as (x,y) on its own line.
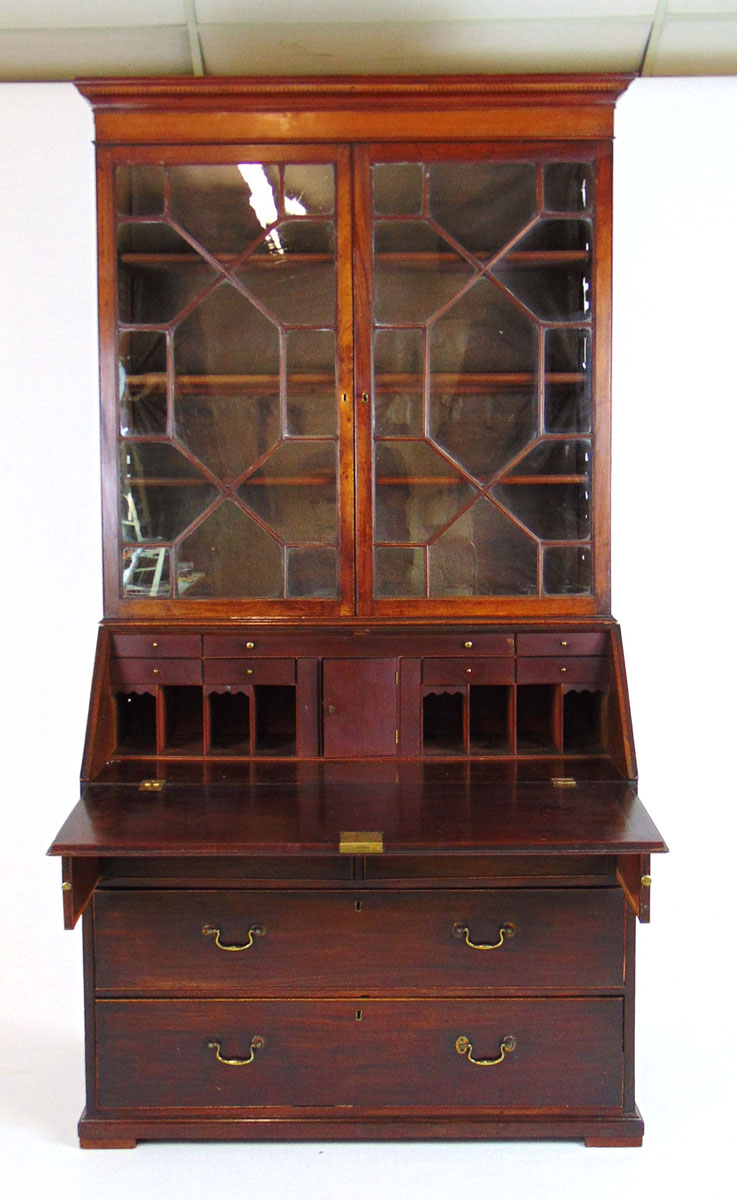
(156,645)
(562,644)
(167,670)
(439,671)
(245,670)
(571,670)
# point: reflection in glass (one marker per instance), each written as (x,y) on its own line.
(483,205)
(399,371)
(159,274)
(483,553)
(553,512)
(227,427)
(295,280)
(568,186)
(484,331)
(294,492)
(416,272)
(312,571)
(142,381)
(555,458)
(567,571)
(483,427)
(399,571)
(214,204)
(146,571)
(226,334)
(229,554)
(555,292)
(161,492)
(416,492)
(139,190)
(309,188)
(311,383)
(397,188)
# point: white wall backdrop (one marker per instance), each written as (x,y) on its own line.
(674,581)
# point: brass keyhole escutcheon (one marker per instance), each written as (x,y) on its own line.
(358,905)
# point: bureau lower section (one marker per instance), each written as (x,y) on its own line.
(355,1011)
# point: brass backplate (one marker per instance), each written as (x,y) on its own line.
(151,785)
(361,842)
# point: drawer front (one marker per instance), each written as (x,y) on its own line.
(440,671)
(250,670)
(561,644)
(357,942)
(156,645)
(571,670)
(166,670)
(355,645)
(164,1054)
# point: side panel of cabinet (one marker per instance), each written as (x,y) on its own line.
(359,707)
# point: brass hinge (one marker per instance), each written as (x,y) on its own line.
(563,781)
(361,843)
(151,785)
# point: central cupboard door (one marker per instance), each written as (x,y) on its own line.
(354,380)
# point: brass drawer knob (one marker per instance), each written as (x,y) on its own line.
(469,670)
(563,670)
(155,645)
(468,645)
(506,1046)
(257,1043)
(156,670)
(250,645)
(254,931)
(564,643)
(462,931)
(249,670)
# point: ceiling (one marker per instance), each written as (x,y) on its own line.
(61,39)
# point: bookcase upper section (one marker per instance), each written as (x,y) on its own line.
(355,361)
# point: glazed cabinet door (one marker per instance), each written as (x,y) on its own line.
(482,469)
(229,454)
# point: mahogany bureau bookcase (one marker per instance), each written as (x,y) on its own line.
(359,847)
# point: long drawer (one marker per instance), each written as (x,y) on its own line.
(172,942)
(175,1054)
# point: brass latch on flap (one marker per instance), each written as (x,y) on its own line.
(361,843)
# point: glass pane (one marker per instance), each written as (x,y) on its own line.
(483,553)
(568,399)
(227,335)
(480,426)
(139,190)
(227,427)
(146,571)
(484,331)
(558,235)
(568,186)
(557,292)
(292,273)
(399,571)
(567,571)
(397,188)
(312,571)
(225,207)
(483,205)
(309,188)
(294,492)
(229,554)
(399,371)
(161,492)
(555,458)
(159,274)
(312,409)
(416,272)
(557,512)
(142,378)
(417,492)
